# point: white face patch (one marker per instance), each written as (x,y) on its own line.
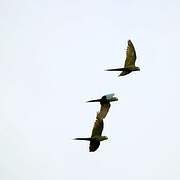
(109,96)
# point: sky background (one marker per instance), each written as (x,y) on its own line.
(52,59)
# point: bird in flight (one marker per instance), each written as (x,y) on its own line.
(129,65)
(96,135)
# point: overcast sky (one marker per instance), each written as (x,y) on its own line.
(52,59)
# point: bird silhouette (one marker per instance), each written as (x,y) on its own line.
(129,65)
(96,135)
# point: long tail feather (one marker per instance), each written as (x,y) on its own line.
(117,69)
(85,139)
(95,100)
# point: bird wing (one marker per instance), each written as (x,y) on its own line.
(98,127)
(103,111)
(130,55)
(99,124)
(97,131)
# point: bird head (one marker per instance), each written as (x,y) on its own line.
(104,138)
(105,98)
(111,98)
(137,68)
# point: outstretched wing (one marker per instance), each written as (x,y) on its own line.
(97,131)
(99,124)
(130,55)
(103,111)
(98,127)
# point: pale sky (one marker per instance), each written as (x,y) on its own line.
(52,59)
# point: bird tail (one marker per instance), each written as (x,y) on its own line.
(94,100)
(117,69)
(85,139)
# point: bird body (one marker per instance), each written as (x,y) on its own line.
(129,65)
(96,135)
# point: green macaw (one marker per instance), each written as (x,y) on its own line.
(96,135)
(129,65)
